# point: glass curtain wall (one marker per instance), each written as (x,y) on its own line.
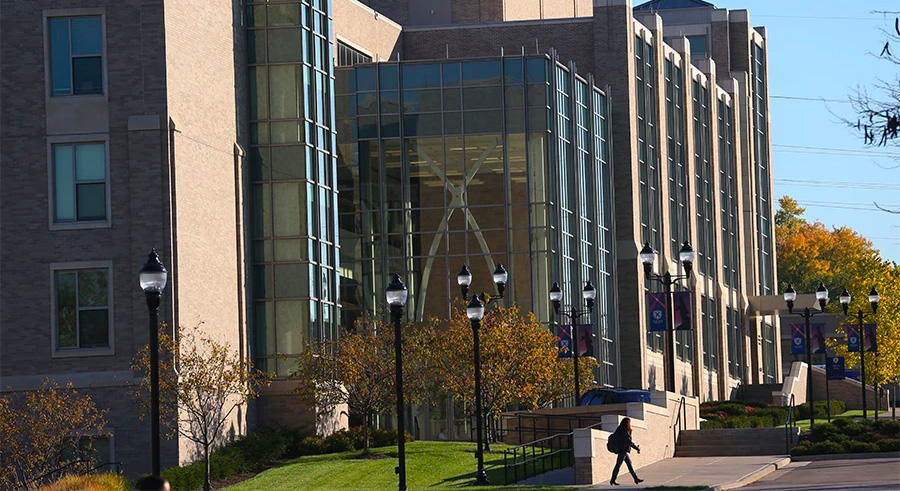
(710,326)
(293,190)
(648,164)
(735,343)
(761,151)
(706,237)
(728,195)
(474,162)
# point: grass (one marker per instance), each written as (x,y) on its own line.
(680,488)
(852,413)
(433,465)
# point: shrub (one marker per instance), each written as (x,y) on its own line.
(825,431)
(889,445)
(733,409)
(837,407)
(825,448)
(262,447)
(855,428)
(841,422)
(711,425)
(887,427)
(801,448)
(861,447)
(92,482)
(776,414)
(311,445)
(339,442)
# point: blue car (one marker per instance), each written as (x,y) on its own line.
(597,397)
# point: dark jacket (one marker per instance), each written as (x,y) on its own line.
(623,439)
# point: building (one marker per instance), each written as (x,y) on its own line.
(222,134)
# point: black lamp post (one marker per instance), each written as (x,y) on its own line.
(648,257)
(790,295)
(589,293)
(396,294)
(153,277)
(475,312)
(874,298)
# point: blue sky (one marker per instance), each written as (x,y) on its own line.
(824,50)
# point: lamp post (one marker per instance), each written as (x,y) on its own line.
(667,280)
(874,298)
(790,295)
(475,312)
(589,293)
(396,294)
(152,277)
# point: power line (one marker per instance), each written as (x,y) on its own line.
(818,17)
(811,99)
(851,150)
(840,184)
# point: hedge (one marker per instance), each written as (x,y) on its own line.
(847,436)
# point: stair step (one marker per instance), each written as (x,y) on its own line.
(727,452)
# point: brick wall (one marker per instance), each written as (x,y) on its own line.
(358,25)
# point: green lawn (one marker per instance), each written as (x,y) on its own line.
(853,413)
(432,465)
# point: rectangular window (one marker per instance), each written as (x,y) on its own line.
(76,55)
(350,56)
(79,182)
(710,333)
(82,308)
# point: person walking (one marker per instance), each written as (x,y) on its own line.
(623,442)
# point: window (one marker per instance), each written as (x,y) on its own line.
(81,307)
(350,56)
(698,47)
(98,449)
(79,182)
(76,55)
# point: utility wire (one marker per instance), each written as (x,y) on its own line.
(840,184)
(811,99)
(846,150)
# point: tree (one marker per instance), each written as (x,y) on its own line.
(561,384)
(518,359)
(878,108)
(809,253)
(45,429)
(202,381)
(356,369)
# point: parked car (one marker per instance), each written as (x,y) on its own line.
(597,397)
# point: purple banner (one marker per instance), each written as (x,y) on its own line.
(852,338)
(656,308)
(585,340)
(818,338)
(564,341)
(681,305)
(871,338)
(834,368)
(798,340)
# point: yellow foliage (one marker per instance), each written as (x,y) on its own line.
(92,482)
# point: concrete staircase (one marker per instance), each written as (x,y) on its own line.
(726,442)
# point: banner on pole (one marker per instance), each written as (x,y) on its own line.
(818,338)
(656,308)
(835,368)
(564,341)
(852,338)
(585,340)
(871,338)
(798,340)
(681,305)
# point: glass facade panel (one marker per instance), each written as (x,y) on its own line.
(706,232)
(293,160)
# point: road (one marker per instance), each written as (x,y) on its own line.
(879,474)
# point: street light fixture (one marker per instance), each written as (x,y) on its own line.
(396,295)
(790,296)
(588,294)
(686,255)
(152,277)
(475,312)
(874,298)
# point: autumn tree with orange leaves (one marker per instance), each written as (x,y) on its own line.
(202,382)
(46,429)
(841,258)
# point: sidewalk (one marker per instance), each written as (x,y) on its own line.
(719,473)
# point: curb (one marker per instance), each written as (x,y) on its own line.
(848,456)
(753,476)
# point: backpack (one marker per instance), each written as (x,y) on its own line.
(612,444)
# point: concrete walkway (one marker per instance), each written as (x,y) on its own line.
(719,473)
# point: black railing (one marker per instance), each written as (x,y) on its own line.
(549,424)
(790,426)
(678,424)
(72,466)
(543,455)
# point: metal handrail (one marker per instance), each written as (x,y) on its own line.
(678,425)
(557,455)
(789,426)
